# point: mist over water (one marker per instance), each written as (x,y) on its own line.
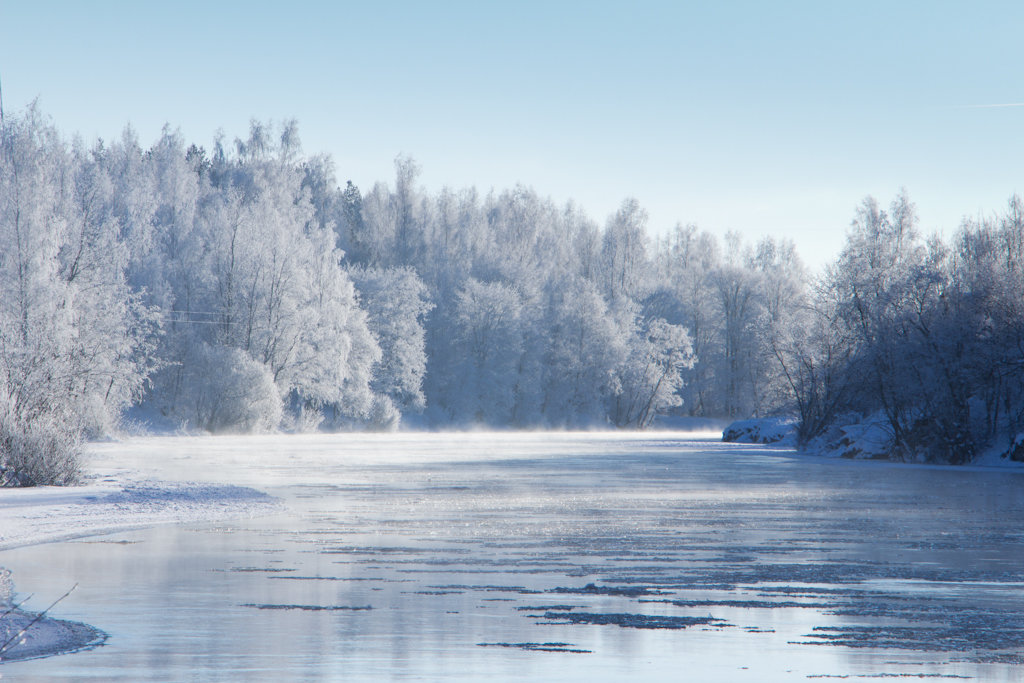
(558,556)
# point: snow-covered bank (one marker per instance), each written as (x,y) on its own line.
(868,439)
(765,430)
(44,637)
(46,514)
(118,497)
(28,635)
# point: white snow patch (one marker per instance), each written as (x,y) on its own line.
(1002,453)
(765,430)
(117,501)
(119,498)
(29,636)
(863,440)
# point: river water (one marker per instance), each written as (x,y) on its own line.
(568,557)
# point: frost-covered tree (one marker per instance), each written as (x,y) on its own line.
(687,297)
(391,221)
(74,339)
(248,253)
(351,223)
(489,339)
(920,335)
(624,250)
(987,263)
(651,377)
(813,354)
(783,296)
(229,391)
(587,347)
(737,289)
(873,279)
(254,268)
(396,304)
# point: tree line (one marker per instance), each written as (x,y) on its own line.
(923,335)
(244,288)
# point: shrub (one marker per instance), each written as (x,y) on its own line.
(230,392)
(38,453)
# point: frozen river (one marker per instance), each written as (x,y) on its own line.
(569,557)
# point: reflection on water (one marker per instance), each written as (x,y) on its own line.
(557,557)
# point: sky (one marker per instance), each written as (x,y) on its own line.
(762,118)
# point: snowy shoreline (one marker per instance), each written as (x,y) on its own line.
(867,440)
(34,637)
(50,514)
(111,501)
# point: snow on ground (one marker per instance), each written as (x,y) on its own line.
(1002,452)
(863,439)
(30,637)
(117,497)
(774,430)
(115,503)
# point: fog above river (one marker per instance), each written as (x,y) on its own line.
(561,556)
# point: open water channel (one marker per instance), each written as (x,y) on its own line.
(568,557)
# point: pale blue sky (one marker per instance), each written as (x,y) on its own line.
(767,118)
